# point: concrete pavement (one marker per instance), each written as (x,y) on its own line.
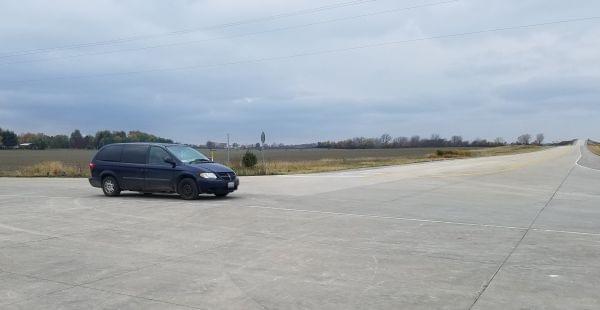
(588,159)
(507,232)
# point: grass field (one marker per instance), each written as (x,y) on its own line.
(73,163)
(594,147)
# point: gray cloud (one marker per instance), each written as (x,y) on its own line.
(539,79)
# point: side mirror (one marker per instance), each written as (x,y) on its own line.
(170,160)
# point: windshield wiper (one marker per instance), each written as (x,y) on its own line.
(200,160)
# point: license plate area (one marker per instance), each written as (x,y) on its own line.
(230,185)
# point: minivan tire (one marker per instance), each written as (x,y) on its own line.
(187,189)
(110,187)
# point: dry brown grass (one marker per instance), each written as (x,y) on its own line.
(73,163)
(327,165)
(451,154)
(322,165)
(507,150)
(594,147)
(48,169)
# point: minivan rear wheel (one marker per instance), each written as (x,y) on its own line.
(110,187)
(187,189)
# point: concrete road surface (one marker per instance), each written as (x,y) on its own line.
(510,232)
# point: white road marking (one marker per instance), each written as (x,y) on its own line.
(420,220)
(384,217)
(342,214)
(566,232)
(33,232)
(322,176)
(581,145)
(38,196)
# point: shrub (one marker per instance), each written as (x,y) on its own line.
(249,160)
(452,153)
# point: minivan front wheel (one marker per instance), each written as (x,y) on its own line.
(110,187)
(187,189)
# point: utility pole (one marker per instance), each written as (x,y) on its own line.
(228,149)
(262,150)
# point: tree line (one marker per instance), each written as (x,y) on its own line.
(387,141)
(76,140)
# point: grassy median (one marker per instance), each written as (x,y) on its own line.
(328,165)
(73,163)
(594,147)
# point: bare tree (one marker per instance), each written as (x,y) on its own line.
(524,139)
(400,142)
(414,140)
(539,138)
(457,140)
(499,141)
(385,139)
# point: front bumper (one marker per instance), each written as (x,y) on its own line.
(207,186)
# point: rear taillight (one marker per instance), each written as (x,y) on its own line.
(92,166)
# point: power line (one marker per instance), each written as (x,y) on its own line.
(310,53)
(233,36)
(185,31)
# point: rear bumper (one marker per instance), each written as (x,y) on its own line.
(95,182)
(217,186)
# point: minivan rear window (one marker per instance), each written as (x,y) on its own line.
(110,153)
(134,154)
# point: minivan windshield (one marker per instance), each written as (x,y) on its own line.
(187,154)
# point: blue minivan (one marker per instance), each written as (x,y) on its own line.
(159,168)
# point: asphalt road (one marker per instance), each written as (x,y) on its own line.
(509,232)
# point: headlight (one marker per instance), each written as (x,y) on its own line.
(208,175)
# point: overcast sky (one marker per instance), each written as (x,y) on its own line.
(501,84)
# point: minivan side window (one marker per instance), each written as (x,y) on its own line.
(134,154)
(157,156)
(110,153)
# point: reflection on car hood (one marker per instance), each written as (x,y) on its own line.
(212,167)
